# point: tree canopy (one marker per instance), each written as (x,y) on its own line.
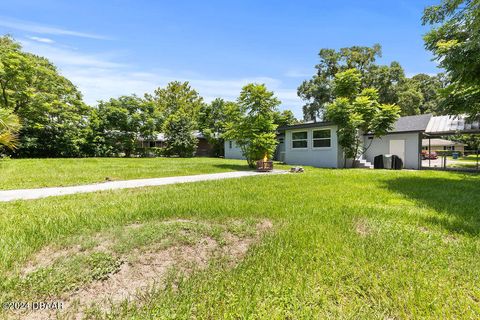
(455,41)
(117,125)
(319,91)
(180,106)
(254,130)
(357,110)
(49,106)
(414,95)
(9,127)
(213,120)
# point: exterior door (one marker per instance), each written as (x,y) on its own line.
(397,147)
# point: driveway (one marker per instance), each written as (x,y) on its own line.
(27,194)
(437,163)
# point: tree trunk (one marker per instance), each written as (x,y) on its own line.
(354,162)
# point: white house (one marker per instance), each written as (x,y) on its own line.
(315,144)
(441,145)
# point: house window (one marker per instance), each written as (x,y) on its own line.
(299,140)
(322,138)
(230,144)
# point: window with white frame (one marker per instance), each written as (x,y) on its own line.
(299,140)
(322,138)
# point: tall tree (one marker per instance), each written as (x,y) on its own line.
(179,135)
(455,41)
(356,111)
(420,94)
(9,127)
(213,122)
(180,105)
(284,118)
(50,107)
(179,96)
(118,124)
(318,92)
(254,130)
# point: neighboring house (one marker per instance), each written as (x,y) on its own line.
(315,144)
(442,144)
(232,151)
(204,148)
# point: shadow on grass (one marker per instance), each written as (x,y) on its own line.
(458,200)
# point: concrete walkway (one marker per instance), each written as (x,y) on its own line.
(26,194)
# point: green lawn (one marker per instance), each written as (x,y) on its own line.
(360,244)
(471,157)
(34,173)
(463,165)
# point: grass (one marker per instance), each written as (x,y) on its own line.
(463,165)
(35,173)
(471,157)
(346,244)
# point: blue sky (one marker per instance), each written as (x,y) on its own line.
(110,48)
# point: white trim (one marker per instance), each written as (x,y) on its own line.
(293,140)
(330,138)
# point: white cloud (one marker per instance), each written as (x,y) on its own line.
(62,56)
(102,84)
(43,29)
(299,73)
(412,74)
(100,77)
(42,40)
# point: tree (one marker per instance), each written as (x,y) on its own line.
(117,125)
(284,118)
(254,130)
(213,121)
(420,94)
(178,129)
(318,92)
(50,107)
(430,87)
(9,127)
(356,111)
(410,98)
(455,42)
(180,106)
(471,140)
(179,96)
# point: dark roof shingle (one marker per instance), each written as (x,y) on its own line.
(412,123)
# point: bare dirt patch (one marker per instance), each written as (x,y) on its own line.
(145,269)
(362,227)
(446,238)
(450,239)
(49,255)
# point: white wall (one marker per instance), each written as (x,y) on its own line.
(382,146)
(234,152)
(316,157)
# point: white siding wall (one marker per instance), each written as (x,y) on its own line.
(234,152)
(316,157)
(382,146)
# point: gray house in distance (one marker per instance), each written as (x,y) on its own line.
(315,144)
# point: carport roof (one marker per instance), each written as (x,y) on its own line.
(443,125)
